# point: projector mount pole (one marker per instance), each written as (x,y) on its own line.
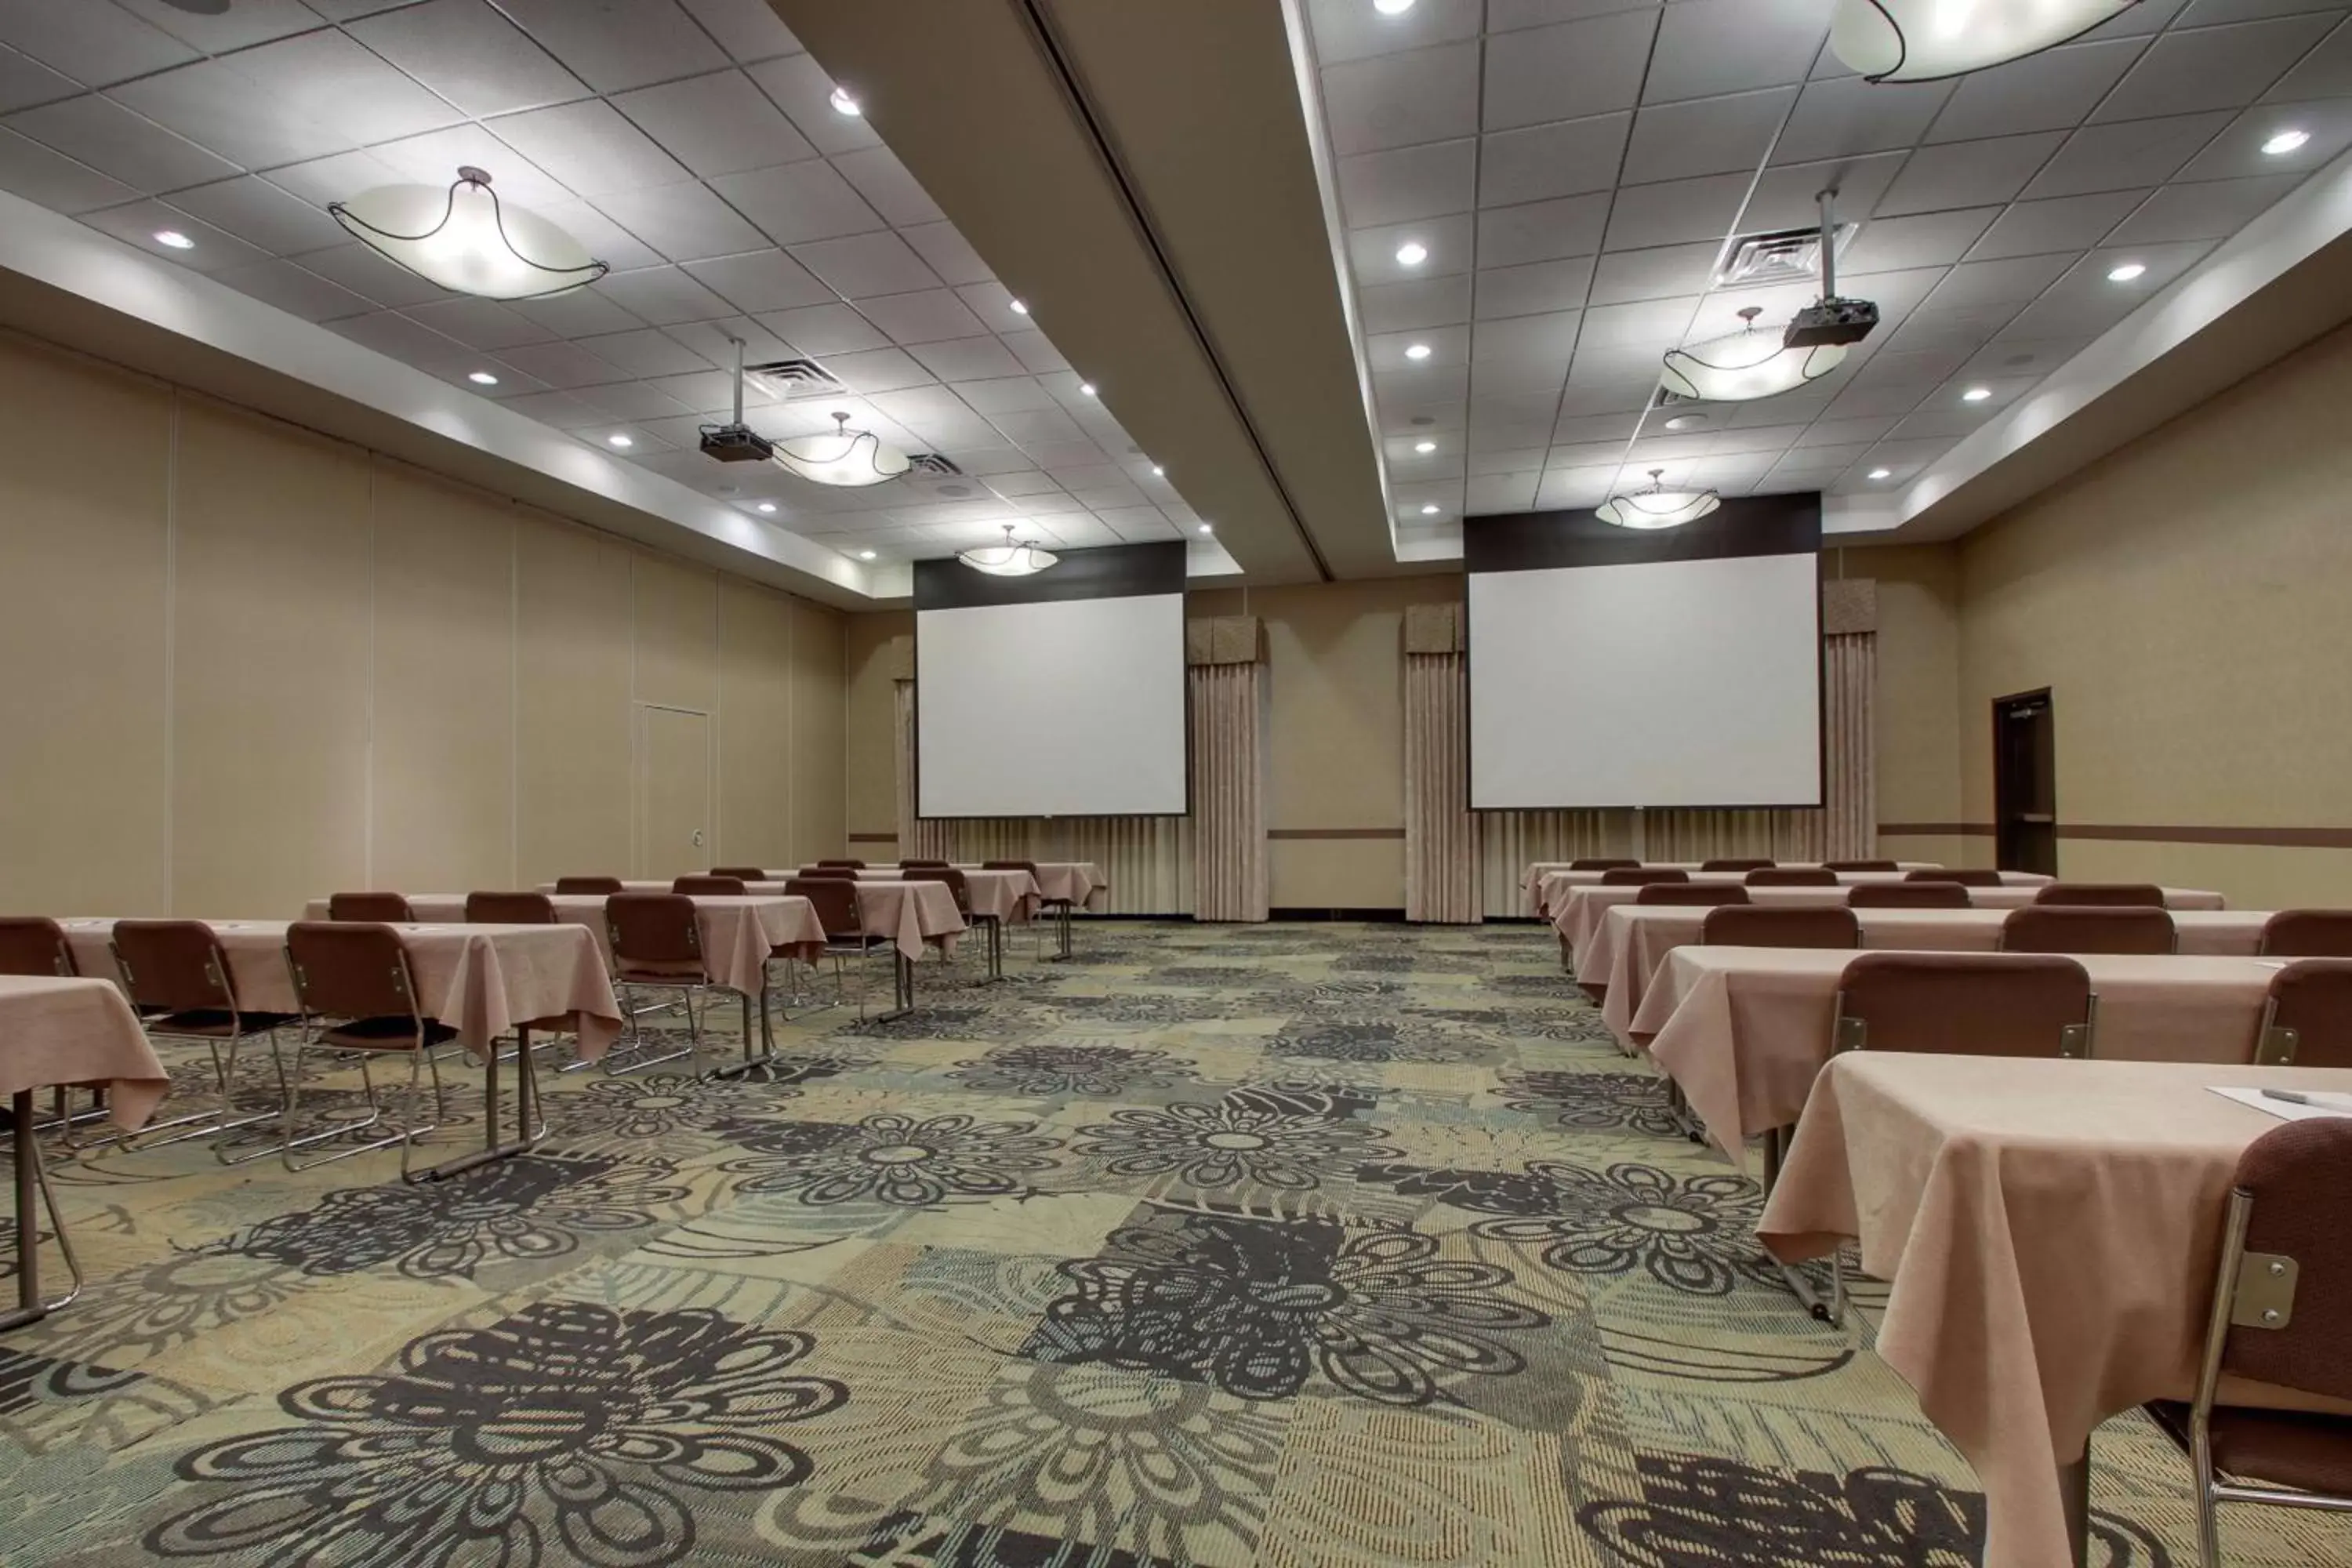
(1828,199)
(739,376)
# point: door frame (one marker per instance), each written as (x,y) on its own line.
(2000,816)
(641,779)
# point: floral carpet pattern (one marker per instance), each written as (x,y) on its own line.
(1293,1245)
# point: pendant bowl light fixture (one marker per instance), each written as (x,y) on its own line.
(1656,507)
(1013,558)
(851,459)
(1742,366)
(1929,40)
(466,241)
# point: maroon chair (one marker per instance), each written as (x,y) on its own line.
(35,945)
(657,943)
(853,864)
(1028,866)
(510,909)
(742,873)
(1754,925)
(1601,863)
(714,886)
(2307,933)
(835,899)
(357,992)
(2101,895)
(1694,895)
(831,873)
(1965,1003)
(1908,896)
(587,884)
(1862,865)
(2069,928)
(2280,1315)
(180,983)
(2307,1016)
(922,865)
(1792,877)
(1734,863)
(1965,876)
(1642,876)
(378,909)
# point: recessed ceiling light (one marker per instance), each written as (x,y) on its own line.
(767,505)
(1392,7)
(1425,447)
(2126,273)
(2285,141)
(618,441)
(1088,387)
(1976,394)
(1157,471)
(845,102)
(174,238)
(481,378)
(1417,351)
(1882,473)
(1687,421)
(1020,307)
(1208,528)
(1413,253)
(865,555)
(1429,512)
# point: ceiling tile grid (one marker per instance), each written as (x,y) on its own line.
(1536,198)
(691,143)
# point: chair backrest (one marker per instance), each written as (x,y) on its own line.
(1793,877)
(1028,866)
(1908,896)
(1965,1003)
(2307,1020)
(375,907)
(587,884)
(1692,894)
(1765,925)
(1641,876)
(351,969)
(2101,895)
(1601,863)
(712,887)
(742,873)
(2284,1305)
(510,909)
(34,944)
(853,864)
(830,873)
(176,966)
(951,875)
(2308,934)
(1733,863)
(652,929)
(922,865)
(2070,928)
(834,899)
(1965,876)
(1862,865)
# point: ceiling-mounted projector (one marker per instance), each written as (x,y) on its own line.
(736,442)
(1832,322)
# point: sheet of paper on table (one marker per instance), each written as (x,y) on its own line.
(2287,1110)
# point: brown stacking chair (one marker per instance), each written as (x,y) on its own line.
(2280,1315)
(836,902)
(2068,928)
(179,981)
(2307,1018)
(1642,876)
(1695,895)
(742,873)
(587,885)
(852,864)
(1965,876)
(1793,877)
(2307,933)
(1730,863)
(1752,925)
(1908,896)
(922,865)
(1965,1003)
(1028,866)
(357,992)
(831,873)
(1862,865)
(379,909)
(657,942)
(1601,863)
(35,945)
(510,909)
(2101,895)
(712,887)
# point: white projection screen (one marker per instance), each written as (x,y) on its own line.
(1670,682)
(1052,707)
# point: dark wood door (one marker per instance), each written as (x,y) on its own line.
(2026,784)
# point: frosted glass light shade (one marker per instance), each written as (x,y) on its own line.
(463,238)
(1013,558)
(1656,507)
(1742,366)
(1927,40)
(851,459)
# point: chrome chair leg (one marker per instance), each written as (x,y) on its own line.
(33,1177)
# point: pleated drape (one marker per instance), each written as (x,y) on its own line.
(1510,841)
(918,839)
(1441,837)
(1850,680)
(1229,859)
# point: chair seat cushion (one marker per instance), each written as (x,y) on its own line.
(216,1023)
(2306,1451)
(661,971)
(395,1033)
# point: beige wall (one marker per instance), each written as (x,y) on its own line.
(249,665)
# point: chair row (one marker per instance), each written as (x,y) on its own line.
(1603,863)
(1732,921)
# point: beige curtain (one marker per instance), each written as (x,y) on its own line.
(1511,841)
(1441,837)
(1227,676)
(918,839)
(1850,675)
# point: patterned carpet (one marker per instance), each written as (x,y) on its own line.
(1284,1245)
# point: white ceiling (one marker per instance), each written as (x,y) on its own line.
(688,142)
(1575,167)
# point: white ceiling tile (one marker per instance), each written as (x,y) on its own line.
(866,265)
(395,335)
(1408,183)
(928,316)
(1592,427)
(1569,71)
(2124,157)
(582,314)
(2053,90)
(1011,395)
(1845,432)
(1969,174)
(363,271)
(1628,275)
(1704,135)
(1537,288)
(2325,72)
(1386,352)
(1540,231)
(878,370)
(797,202)
(1498,381)
(118,144)
(1787,195)
(435,157)
(1396,100)
(1036,355)
(1575,489)
(2209,209)
(139,222)
(1677,211)
(1543,162)
(1031,428)
(1067,389)
(747,29)
(2212,68)
(760,280)
(24,81)
(663,295)
(1928,239)
(966,359)
(617,44)
(333,178)
(511,383)
(1894,398)
(2238,151)
(1421,384)
(590,147)
(52,180)
(645,352)
(559,409)
(825,330)
(94,43)
(298,98)
(714,341)
(1728,46)
(478,323)
(2013,280)
(684,223)
(1016,479)
(1372,252)
(1846,115)
(716,125)
(217,31)
(603,238)
(949,253)
(1585,399)
(634,400)
(260,214)
(989,301)
(1966,328)
(1352,30)
(1426,302)
(2061,223)
(887,187)
(471,54)
(1500,493)
(2032,357)
(1649,326)
(800,89)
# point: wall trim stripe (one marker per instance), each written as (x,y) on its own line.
(2256,837)
(1934,829)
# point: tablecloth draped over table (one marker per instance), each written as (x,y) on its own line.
(1577,914)
(910,914)
(56,1030)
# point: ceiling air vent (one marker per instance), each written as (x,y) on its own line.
(1784,256)
(938,465)
(789,377)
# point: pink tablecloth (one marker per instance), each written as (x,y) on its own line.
(1580,910)
(1008,896)
(2050,1229)
(628,885)
(60,1031)
(1633,940)
(909,914)
(1548,882)
(1080,882)
(481,980)
(1745,1030)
